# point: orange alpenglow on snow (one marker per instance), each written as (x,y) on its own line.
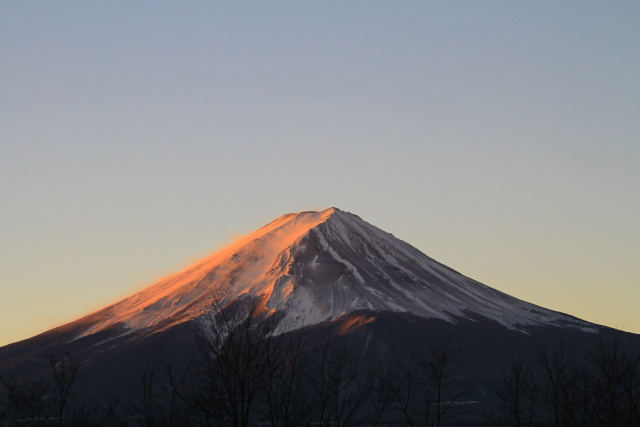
(189,293)
(355,323)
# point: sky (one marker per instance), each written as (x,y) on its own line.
(500,138)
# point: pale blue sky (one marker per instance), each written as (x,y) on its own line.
(501,138)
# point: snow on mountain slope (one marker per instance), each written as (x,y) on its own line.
(240,268)
(317,266)
(346,264)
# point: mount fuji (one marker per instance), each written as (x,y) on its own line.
(328,271)
(315,267)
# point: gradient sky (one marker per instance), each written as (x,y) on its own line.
(500,138)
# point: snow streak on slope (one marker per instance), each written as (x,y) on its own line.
(317,266)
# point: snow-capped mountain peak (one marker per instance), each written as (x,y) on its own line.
(317,266)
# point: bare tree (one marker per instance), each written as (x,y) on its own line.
(235,349)
(449,387)
(49,397)
(158,387)
(64,369)
(616,371)
(25,400)
(428,390)
(407,384)
(556,378)
(286,395)
(336,385)
(379,380)
(516,392)
(573,386)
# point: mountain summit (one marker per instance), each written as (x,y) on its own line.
(318,266)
